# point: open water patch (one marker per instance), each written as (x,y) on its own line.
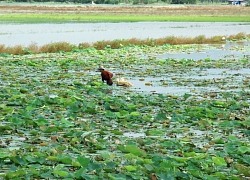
(134,134)
(76,33)
(228,50)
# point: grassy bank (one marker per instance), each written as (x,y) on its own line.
(28,13)
(63,18)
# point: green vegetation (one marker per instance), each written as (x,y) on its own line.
(59,121)
(63,18)
(116,44)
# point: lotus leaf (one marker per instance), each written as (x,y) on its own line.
(83,161)
(130,168)
(135,113)
(219,161)
(132,149)
(122,114)
(242,169)
(4,154)
(59,121)
(243,149)
(61,173)
(155,132)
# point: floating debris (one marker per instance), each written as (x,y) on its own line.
(123,82)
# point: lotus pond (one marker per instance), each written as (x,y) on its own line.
(184,118)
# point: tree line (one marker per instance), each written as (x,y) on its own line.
(121,1)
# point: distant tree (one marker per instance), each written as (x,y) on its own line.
(184,1)
(136,2)
(59,1)
(167,1)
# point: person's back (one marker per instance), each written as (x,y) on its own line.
(106,76)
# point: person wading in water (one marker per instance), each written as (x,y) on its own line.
(106,75)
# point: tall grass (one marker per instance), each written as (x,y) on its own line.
(115,44)
(56,47)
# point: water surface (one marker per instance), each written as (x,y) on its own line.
(228,50)
(75,33)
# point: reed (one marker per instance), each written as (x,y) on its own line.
(33,48)
(240,35)
(115,44)
(2,48)
(84,45)
(57,47)
(15,50)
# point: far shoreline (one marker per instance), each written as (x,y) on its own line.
(84,13)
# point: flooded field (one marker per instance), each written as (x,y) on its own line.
(189,81)
(185,117)
(75,33)
(188,109)
(197,80)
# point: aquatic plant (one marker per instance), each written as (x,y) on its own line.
(59,121)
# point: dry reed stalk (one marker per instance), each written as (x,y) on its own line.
(100,45)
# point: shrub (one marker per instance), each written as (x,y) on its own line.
(2,48)
(199,39)
(67,47)
(18,49)
(33,48)
(216,39)
(240,36)
(100,44)
(237,36)
(56,47)
(170,40)
(134,41)
(84,45)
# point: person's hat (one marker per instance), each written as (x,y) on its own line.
(101,68)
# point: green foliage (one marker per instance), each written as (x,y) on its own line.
(184,2)
(59,121)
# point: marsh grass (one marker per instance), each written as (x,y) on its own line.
(115,44)
(56,47)
(238,36)
(18,49)
(84,45)
(169,40)
(33,48)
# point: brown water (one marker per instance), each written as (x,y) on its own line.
(75,33)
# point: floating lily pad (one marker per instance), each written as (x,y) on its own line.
(58,120)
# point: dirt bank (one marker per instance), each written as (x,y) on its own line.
(222,10)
